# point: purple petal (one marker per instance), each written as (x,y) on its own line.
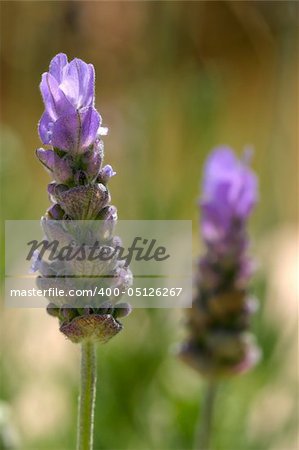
(75,132)
(93,158)
(56,66)
(248,194)
(111,214)
(213,223)
(46,157)
(90,124)
(54,99)
(106,173)
(45,126)
(59,166)
(88,90)
(219,166)
(78,83)
(62,171)
(216,212)
(66,131)
(223,168)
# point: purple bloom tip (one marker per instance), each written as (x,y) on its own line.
(229,192)
(70,121)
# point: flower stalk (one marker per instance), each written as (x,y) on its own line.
(206,419)
(87,396)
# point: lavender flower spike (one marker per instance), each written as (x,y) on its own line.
(70,121)
(219,341)
(70,126)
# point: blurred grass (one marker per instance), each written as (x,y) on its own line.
(174,79)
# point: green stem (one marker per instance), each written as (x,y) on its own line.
(87,396)
(205,428)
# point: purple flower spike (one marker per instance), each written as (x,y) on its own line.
(72,127)
(219,343)
(70,121)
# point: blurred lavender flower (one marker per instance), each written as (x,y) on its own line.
(219,342)
(71,127)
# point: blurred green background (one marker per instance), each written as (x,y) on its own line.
(174,79)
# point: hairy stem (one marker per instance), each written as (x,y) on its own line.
(205,427)
(87,396)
